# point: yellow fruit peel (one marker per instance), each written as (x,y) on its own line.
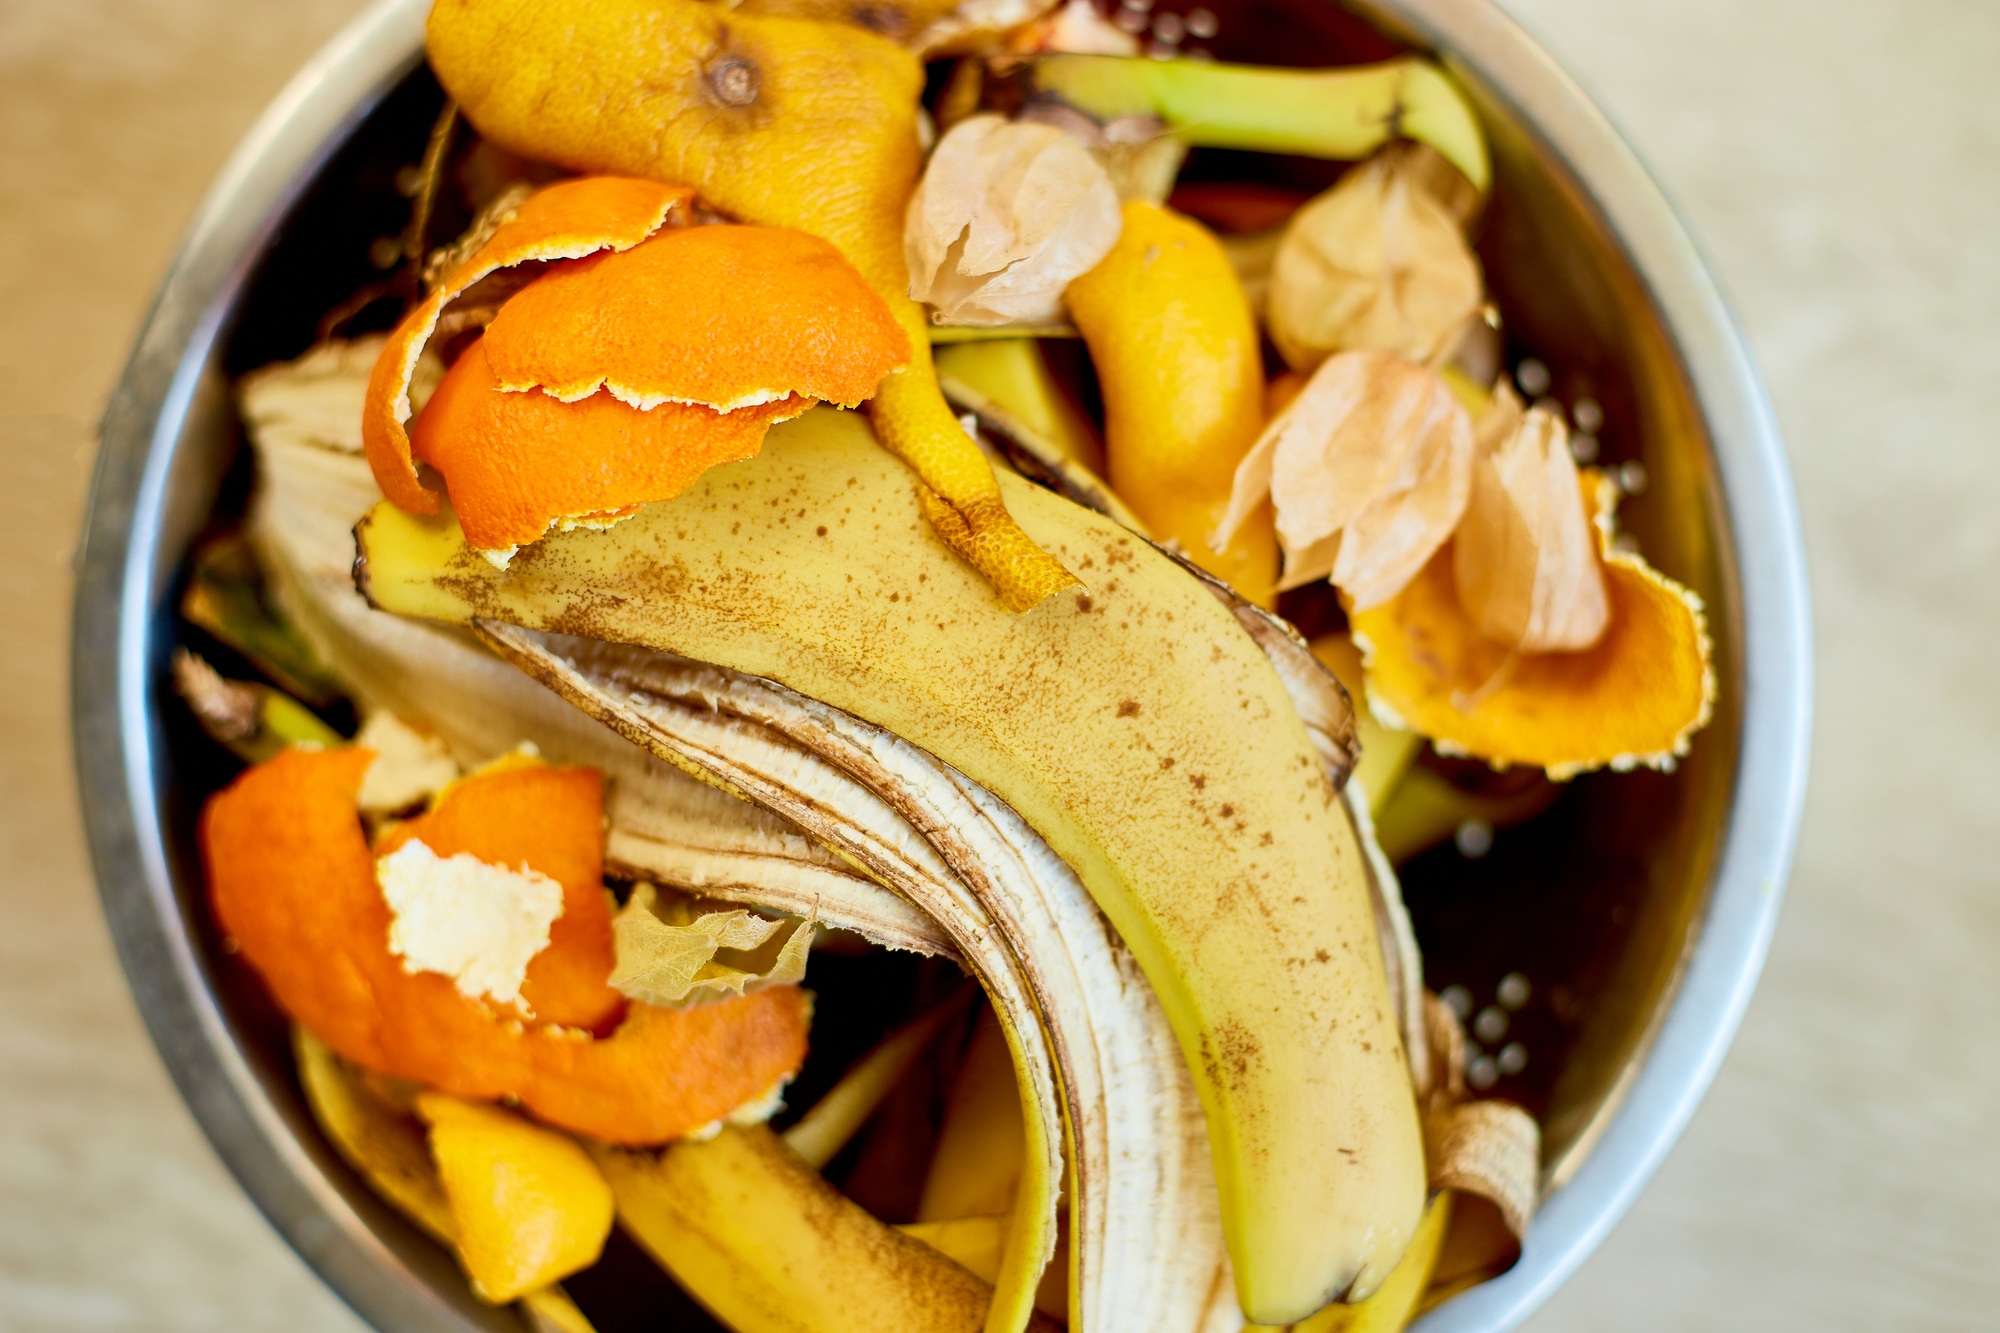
(669,955)
(1636,697)
(1369,468)
(380,1140)
(1176,349)
(528,1205)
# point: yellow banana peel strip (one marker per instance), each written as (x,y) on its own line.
(1634,698)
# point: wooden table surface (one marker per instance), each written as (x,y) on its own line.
(1839,162)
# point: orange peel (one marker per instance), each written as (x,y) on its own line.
(549,820)
(568,220)
(777,121)
(517,463)
(726,317)
(1636,697)
(292,882)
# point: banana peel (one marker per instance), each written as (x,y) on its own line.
(311,490)
(783,121)
(1143,1209)
(875,626)
(755,1235)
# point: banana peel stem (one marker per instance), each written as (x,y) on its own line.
(1343,114)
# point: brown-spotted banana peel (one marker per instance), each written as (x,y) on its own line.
(313,485)
(1134,727)
(1144,1233)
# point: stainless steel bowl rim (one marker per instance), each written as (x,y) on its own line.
(120,763)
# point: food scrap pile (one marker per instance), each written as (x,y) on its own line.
(838,516)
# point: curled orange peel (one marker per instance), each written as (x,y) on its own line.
(567,220)
(726,317)
(549,820)
(292,881)
(518,462)
(779,121)
(1636,697)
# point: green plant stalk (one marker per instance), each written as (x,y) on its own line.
(1342,114)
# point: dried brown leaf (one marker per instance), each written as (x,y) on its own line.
(1377,261)
(1369,467)
(1525,560)
(1006,214)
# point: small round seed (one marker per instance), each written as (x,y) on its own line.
(1589,414)
(1482,1073)
(1513,1058)
(1632,477)
(385,252)
(1583,446)
(1533,377)
(1169,28)
(1491,1025)
(1474,839)
(1513,991)
(1201,23)
(1457,999)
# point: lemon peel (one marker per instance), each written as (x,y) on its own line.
(1636,698)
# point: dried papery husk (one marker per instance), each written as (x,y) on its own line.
(1524,557)
(1079,29)
(1636,697)
(1005,215)
(1145,1233)
(1488,1150)
(1378,261)
(663,825)
(669,953)
(1369,468)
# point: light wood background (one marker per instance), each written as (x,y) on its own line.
(1839,161)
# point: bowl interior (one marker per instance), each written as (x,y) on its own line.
(1596,903)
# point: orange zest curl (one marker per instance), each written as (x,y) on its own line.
(1636,696)
(292,881)
(518,462)
(639,353)
(567,220)
(727,317)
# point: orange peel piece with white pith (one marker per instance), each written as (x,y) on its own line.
(1635,698)
(755,314)
(518,463)
(611,380)
(568,220)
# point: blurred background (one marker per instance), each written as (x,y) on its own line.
(1839,163)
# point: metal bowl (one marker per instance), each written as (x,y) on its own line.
(1647,913)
